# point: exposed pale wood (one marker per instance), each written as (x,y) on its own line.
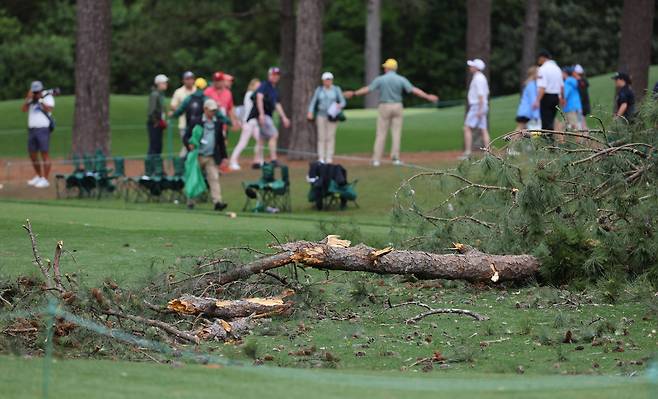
(230,309)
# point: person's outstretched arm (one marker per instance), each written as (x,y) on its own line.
(421,94)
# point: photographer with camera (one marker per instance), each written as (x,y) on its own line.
(39,104)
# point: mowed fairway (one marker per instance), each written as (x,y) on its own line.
(424,129)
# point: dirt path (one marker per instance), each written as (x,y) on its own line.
(14,172)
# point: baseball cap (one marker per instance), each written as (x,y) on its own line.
(160,79)
(219,75)
(476,63)
(229,77)
(188,74)
(210,104)
(390,63)
(274,71)
(621,76)
(327,76)
(201,83)
(36,86)
(578,69)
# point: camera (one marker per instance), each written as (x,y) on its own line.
(53,92)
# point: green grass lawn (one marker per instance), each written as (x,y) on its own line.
(424,129)
(76,379)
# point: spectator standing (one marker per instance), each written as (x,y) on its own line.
(525,112)
(324,107)
(266,102)
(478,106)
(250,129)
(177,99)
(583,90)
(192,106)
(550,90)
(39,106)
(391,87)
(155,115)
(220,92)
(573,108)
(212,150)
(625,98)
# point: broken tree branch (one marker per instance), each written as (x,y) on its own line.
(231,309)
(37,258)
(431,311)
(469,264)
(155,323)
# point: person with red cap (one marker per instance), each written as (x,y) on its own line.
(220,91)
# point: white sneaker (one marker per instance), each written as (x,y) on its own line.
(33,180)
(42,183)
(234,166)
(397,162)
(376,163)
(464,156)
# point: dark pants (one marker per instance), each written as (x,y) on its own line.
(547,109)
(155,139)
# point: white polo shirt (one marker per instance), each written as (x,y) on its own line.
(35,116)
(179,96)
(479,87)
(550,78)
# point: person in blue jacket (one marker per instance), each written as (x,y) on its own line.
(573,107)
(526,115)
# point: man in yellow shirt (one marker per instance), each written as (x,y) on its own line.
(179,96)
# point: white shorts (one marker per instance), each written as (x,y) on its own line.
(472,119)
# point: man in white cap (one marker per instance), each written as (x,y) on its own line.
(391,87)
(212,150)
(40,124)
(156,122)
(177,99)
(478,106)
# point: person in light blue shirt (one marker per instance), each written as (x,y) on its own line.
(573,107)
(525,113)
(391,87)
(325,107)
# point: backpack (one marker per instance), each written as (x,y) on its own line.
(194,112)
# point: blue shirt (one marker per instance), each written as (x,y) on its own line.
(390,86)
(271,96)
(572,95)
(528,97)
(323,98)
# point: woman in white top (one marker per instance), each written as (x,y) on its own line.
(327,102)
(249,129)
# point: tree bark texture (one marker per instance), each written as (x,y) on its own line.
(478,44)
(287,54)
(373,56)
(469,264)
(308,67)
(530,30)
(635,42)
(91,121)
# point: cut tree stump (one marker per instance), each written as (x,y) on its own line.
(333,254)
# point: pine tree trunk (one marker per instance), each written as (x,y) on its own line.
(373,56)
(530,30)
(91,121)
(287,54)
(478,43)
(308,65)
(635,42)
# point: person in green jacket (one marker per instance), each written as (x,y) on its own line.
(156,122)
(207,151)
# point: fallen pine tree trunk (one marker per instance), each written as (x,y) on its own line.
(334,254)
